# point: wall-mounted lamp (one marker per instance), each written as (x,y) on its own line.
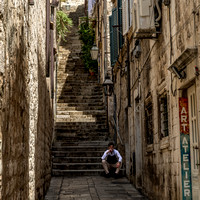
(166,2)
(180,74)
(108,85)
(196,71)
(67,6)
(136,52)
(31,2)
(54,3)
(94,52)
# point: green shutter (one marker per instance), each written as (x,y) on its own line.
(115,35)
(121,39)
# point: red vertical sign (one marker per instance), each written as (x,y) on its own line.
(183,115)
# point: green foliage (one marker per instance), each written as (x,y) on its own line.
(63,23)
(87,36)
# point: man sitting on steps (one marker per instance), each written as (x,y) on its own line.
(111,159)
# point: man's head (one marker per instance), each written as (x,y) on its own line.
(111,146)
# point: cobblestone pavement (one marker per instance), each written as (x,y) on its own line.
(92,188)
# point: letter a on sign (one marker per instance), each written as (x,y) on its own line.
(183,115)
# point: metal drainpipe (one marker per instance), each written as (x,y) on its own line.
(47,36)
(99,61)
(105,41)
(128,74)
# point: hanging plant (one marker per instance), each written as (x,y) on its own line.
(87,36)
(63,23)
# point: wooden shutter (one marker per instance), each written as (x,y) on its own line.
(121,39)
(111,38)
(125,15)
(115,35)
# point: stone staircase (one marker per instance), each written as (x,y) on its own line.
(81,133)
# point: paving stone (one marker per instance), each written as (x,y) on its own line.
(92,188)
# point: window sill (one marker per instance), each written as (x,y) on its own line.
(149,148)
(164,143)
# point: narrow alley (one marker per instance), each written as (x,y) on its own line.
(81,130)
(99,100)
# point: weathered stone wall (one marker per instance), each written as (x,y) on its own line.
(27,118)
(2,66)
(156,168)
(162,163)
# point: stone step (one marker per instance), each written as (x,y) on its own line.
(81,97)
(78,81)
(77,153)
(77,125)
(88,112)
(77,88)
(67,131)
(80,118)
(84,105)
(62,99)
(79,108)
(64,135)
(76,120)
(69,173)
(80,93)
(76,159)
(84,90)
(68,79)
(76,74)
(85,143)
(78,148)
(81,138)
(76,166)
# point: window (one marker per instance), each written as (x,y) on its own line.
(163,115)
(149,122)
(113,36)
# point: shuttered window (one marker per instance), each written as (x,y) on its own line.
(125,16)
(119,7)
(163,112)
(149,122)
(111,39)
(114,36)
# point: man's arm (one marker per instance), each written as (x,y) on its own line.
(104,155)
(119,156)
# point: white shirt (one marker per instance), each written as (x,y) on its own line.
(115,152)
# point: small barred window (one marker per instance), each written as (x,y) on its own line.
(149,122)
(163,108)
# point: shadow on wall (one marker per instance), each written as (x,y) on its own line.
(15,128)
(44,134)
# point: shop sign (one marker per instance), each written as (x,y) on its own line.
(185,149)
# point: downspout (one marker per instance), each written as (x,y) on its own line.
(105,40)
(47,36)
(128,74)
(52,55)
(99,61)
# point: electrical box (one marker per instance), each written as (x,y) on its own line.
(143,19)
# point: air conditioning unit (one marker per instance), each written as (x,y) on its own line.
(143,19)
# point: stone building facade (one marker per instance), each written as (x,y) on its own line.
(26,104)
(156,94)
